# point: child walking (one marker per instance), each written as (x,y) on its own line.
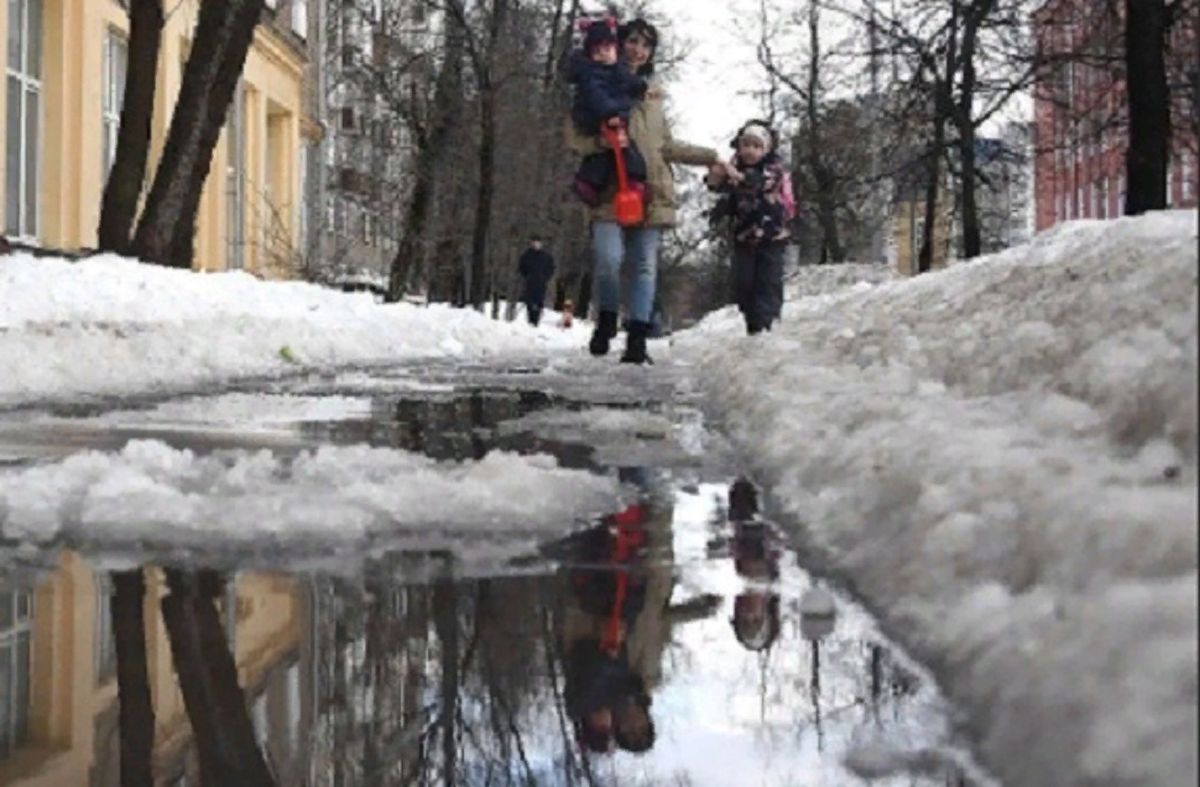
(757,203)
(605,92)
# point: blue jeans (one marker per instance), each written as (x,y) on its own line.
(609,245)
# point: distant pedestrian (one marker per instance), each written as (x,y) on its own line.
(536,267)
(568,314)
(757,204)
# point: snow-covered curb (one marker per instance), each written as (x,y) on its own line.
(1003,457)
(111,327)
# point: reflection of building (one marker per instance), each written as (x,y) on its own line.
(67,61)
(1081,127)
(58,709)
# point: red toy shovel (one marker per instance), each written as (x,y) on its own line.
(627,203)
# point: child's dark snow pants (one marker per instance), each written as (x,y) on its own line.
(758,283)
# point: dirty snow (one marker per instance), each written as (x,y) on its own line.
(107,326)
(151,492)
(1003,459)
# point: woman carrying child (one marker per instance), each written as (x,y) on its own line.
(758,203)
(648,130)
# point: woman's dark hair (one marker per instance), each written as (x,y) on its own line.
(647,31)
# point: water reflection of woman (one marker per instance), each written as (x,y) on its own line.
(756,559)
(620,619)
(606,698)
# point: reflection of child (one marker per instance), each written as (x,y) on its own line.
(605,92)
(755,557)
(758,203)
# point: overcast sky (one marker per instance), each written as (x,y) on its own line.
(705,90)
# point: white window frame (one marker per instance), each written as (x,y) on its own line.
(26,224)
(113,95)
(300,18)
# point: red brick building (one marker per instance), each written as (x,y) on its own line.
(1080,128)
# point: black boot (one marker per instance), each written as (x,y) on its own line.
(635,343)
(606,329)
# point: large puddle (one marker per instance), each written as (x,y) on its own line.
(676,641)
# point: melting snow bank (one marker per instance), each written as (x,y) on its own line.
(333,497)
(1002,456)
(111,327)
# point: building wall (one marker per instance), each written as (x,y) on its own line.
(908,218)
(71,733)
(1080,127)
(71,180)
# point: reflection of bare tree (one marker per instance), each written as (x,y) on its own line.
(814,690)
(445,615)
(224,736)
(133,682)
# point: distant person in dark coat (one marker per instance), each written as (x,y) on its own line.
(536,266)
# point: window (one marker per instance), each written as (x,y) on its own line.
(106,644)
(116,63)
(1187,163)
(16,609)
(23,125)
(1170,183)
(235,181)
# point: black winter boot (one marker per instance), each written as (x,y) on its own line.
(635,343)
(605,330)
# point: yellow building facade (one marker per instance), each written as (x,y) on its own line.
(58,688)
(66,61)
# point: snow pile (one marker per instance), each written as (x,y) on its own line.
(334,495)
(1004,457)
(819,279)
(110,326)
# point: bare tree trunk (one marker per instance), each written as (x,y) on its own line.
(943,109)
(221,40)
(1146,24)
(477,283)
(826,210)
(216,707)
(484,72)
(120,202)
(965,123)
(431,152)
(445,605)
(136,712)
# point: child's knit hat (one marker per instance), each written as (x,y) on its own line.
(599,33)
(760,130)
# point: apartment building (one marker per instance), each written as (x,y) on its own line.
(1080,124)
(372,66)
(66,62)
